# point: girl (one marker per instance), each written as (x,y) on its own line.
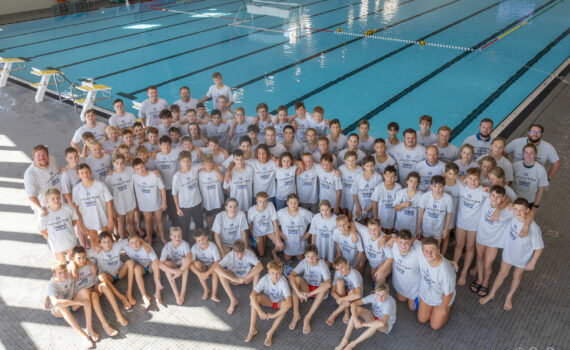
(466,159)
(196,134)
(497,177)
(486,164)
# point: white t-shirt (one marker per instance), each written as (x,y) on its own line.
(380,309)
(469,207)
(481,146)
(407,218)
(364,188)
(307,186)
(323,230)
(302,126)
(506,165)
(59,226)
(527,180)
(375,255)
(175,254)
(239,131)
(262,220)
(65,290)
(275,291)
(214,93)
(208,256)
(329,183)
(220,131)
(463,168)
(518,251)
(122,190)
(100,167)
(69,178)
(185,186)
(285,182)
(264,177)
(123,121)
(296,149)
(406,159)
(380,167)
(150,112)
(185,106)
(140,256)
(241,187)
(426,141)
(435,214)
(338,145)
(294,228)
(92,203)
(427,171)
(167,165)
(406,269)
(240,268)
(314,275)
(147,191)
(98,131)
(348,248)
(211,190)
(37,181)
(448,154)
(492,233)
(545,151)
(85,278)
(277,150)
(366,146)
(435,282)
(359,156)
(453,191)
(352,281)
(385,199)
(109,262)
(347,178)
(228,228)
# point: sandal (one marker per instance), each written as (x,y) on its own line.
(483,291)
(475,287)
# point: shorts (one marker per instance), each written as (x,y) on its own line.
(376,318)
(116,277)
(213,212)
(312,288)
(275,306)
(146,271)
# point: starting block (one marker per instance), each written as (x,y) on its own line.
(45,81)
(8,62)
(91,90)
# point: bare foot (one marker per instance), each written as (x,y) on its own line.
(123,321)
(131,300)
(93,335)
(215,299)
(47,303)
(462,280)
(206,293)
(346,318)
(110,331)
(330,320)
(126,303)
(411,304)
(232,307)
(88,343)
(508,303)
(473,272)
(349,346)
(342,344)
(180,300)
(250,335)
(293,324)
(268,339)
(146,301)
(306,325)
(158,298)
(486,299)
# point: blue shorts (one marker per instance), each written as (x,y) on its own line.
(146,270)
(116,276)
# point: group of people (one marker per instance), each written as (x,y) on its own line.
(233,186)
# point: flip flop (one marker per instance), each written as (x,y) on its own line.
(483,291)
(475,287)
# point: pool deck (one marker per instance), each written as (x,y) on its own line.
(540,318)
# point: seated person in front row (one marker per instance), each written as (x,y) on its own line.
(240,266)
(205,259)
(381,318)
(175,260)
(272,290)
(347,287)
(315,282)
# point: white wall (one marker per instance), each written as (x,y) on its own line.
(14,6)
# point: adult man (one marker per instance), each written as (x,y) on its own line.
(447,151)
(40,176)
(185,102)
(151,107)
(546,151)
(481,141)
(121,119)
(407,154)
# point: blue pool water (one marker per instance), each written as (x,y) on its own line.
(351,76)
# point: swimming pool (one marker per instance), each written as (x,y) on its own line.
(384,77)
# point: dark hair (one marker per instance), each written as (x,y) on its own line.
(437,180)
(253,128)
(390,169)
(165,139)
(393,125)
(405,234)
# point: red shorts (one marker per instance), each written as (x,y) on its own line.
(312,288)
(275,306)
(376,318)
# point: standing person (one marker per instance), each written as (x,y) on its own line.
(337,140)
(263,120)
(167,164)
(429,168)
(530,178)
(217,90)
(383,199)
(437,285)
(351,146)
(447,151)
(57,227)
(436,209)
(544,150)
(393,130)
(99,162)
(151,108)
(365,141)
(481,142)
(239,181)
(264,170)
(307,184)
(381,158)
(186,102)
(121,119)
(330,184)
(362,189)
(39,177)
(407,154)
(497,151)
(348,172)
(290,143)
(407,204)
(304,121)
(238,128)
(285,175)
(322,227)
(186,195)
(520,251)
(465,160)
(120,184)
(91,125)
(210,181)
(425,136)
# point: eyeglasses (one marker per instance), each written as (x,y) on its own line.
(533,132)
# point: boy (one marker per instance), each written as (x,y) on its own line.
(352,145)
(381,158)
(239,181)
(64,299)
(307,186)
(365,141)
(323,146)
(383,199)
(238,127)
(337,140)
(263,120)
(57,227)
(151,198)
(349,171)
(382,317)
(167,164)
(290,143)
(205,259)
(99,162)
(452,189)
(447,151)
(142,153)
(151,107)
(253,134)
(120,184)
(436,209)
(373,240)
(186,195)
(139,133)
(262,219)
(425,136)
(304,121)
(429,168)
(121,119)
(519,251)
(240,266)
(393,129)
(346,288)
(175,260)
(174,134)
(217,90)
(151,143)
(311,145)
(320,124)
(113,139)
(273,291)
(275,148)
(129,141)
(407,154)
(348,243)
(210,181)
(218,128)
(69,176)
(330,185)
(91,125)
(311,278)
(144,262)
